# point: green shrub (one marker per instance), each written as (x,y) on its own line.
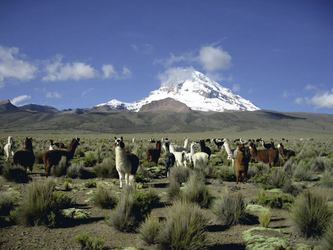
(264,179)
(311,213)
(302,172)
(75,170)
(226,173)
(281,201)
(7,204)
(196,191)
(263,198)
(90,184)
(290,188)
(106,169)
(327,179)
(61,168)
(279,178)
(149,230)
(173,190)
(104,199)
(15,174)
(42,205)
(180,174)
(265,217)
(183,228)
(328,238)
(131,210)
(87,242)
(229,209)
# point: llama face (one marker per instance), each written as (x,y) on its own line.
(119,142)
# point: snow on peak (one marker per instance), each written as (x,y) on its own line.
(195,90)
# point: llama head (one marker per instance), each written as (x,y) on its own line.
(28,143)
(119,142)
(252,145)
(241,148)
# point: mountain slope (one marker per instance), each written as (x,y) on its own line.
(195,90)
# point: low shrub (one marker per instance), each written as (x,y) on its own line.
(132,209)
(279,178)
(264,179)
(15,174)
(327,242)
(302,172)
(105,199)
(311,213)
(149,230)
(290,188)
(180,174)
(7,204)
(75,170)
(276,201)
(229,209)
(183,228)
(226,173)
(106,169)
(61,168)
(326,179)
(87,242)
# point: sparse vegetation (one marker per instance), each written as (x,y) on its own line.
(87,242)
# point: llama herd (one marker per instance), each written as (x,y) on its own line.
(127,163)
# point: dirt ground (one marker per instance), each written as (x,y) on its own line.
(14,236)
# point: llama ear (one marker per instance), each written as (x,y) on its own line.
(121,138)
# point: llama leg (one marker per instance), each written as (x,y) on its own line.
(132,180)
(121,177)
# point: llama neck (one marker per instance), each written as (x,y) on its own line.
(186,144)
(227,148)
(166,148)
(71,149)
(192,149)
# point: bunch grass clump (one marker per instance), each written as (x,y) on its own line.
(75,170)
(326,179)
(132,209)
(105,199)
(106,169)
(42,205)
(183,228)
(15,174)
(265,217)
(311,213)
(87,242)
(196,191)
(303,172)
(229,209)
(328,238)
(61,168)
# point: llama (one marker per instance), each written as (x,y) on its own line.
(267,145)
(25,158)
(199,159)
(179,148)
(179,156)
(232,153)
(153,154)
(204,148)
(241,164)
(53,146)
(219,143)
(53,157)
(285,154)
(9,148)
(270,156)
(169,160)
(126,163)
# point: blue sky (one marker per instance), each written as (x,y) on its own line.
(78,54)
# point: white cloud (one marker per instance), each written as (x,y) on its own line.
(214,58)
(299,100)
(57,71)
(110,72)
(236,87)
(15,101)
(322,100)
(172,75)
(13,67)
(53,95)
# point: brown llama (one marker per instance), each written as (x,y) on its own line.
(25,158)
(285,153)
(53,157)
(270,156)
(241,164)
(153,154)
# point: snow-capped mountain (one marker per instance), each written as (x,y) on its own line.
(195,90)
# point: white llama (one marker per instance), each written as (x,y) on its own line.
(9,147)
(232,153)
(126,163)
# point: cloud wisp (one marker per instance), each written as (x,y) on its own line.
(320,99)
(15,101)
